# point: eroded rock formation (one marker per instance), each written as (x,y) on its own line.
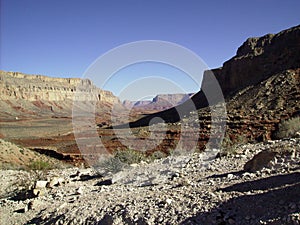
(15,86)
(22,93)
(256,60)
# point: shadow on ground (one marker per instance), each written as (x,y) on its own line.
(264,199)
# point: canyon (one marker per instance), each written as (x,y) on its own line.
(205,161)
(260,86)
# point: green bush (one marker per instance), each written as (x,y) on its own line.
(119,161)
(157,155)
(130,156)
(229,145)
(288,128)
(39,165)
(109,165)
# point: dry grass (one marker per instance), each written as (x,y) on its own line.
(288,128)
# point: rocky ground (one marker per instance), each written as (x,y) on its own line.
(192,189)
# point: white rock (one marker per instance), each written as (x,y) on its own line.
(80,191)
(134,165)
(169,201)
(39,192)
(55,181)
(247,174)
(230,176)
(41,184)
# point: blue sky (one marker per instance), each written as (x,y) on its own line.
(62,38)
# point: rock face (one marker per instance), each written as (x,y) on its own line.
(128,104)
(256,60)
(27,93)
(261,89)
(142,103)
(15,86)
(173,99)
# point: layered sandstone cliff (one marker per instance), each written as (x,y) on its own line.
(36,94)
(14,86)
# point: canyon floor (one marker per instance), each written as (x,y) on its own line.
(191,189)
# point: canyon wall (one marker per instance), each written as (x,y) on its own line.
(23,95)
(15,86)
(256,60)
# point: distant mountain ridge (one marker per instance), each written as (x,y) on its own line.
(159,102)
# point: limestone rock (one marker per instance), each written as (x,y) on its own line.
(173,99)
(39,191)
(80,191)
(15,85)
(41,184)
(55,181)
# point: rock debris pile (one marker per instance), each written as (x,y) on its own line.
(164,192)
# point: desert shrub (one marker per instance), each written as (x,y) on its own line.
(288,128)
(120,160)
(109,165)
(229,145)
(130,156)
(157,155)
(21,187)
(39,165)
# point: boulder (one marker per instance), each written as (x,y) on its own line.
(41,184)
(56,181)
(259,161)
(39,192)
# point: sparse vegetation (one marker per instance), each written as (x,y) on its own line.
(123,158)
(40,165)
(109,165)
(36,170)
(158,155)
(229,144)
(288,128)
(130,156)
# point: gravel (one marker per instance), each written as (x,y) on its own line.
(176,190)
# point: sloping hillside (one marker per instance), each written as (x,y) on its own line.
(256,60)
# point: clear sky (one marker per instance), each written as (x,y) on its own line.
(62,38)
